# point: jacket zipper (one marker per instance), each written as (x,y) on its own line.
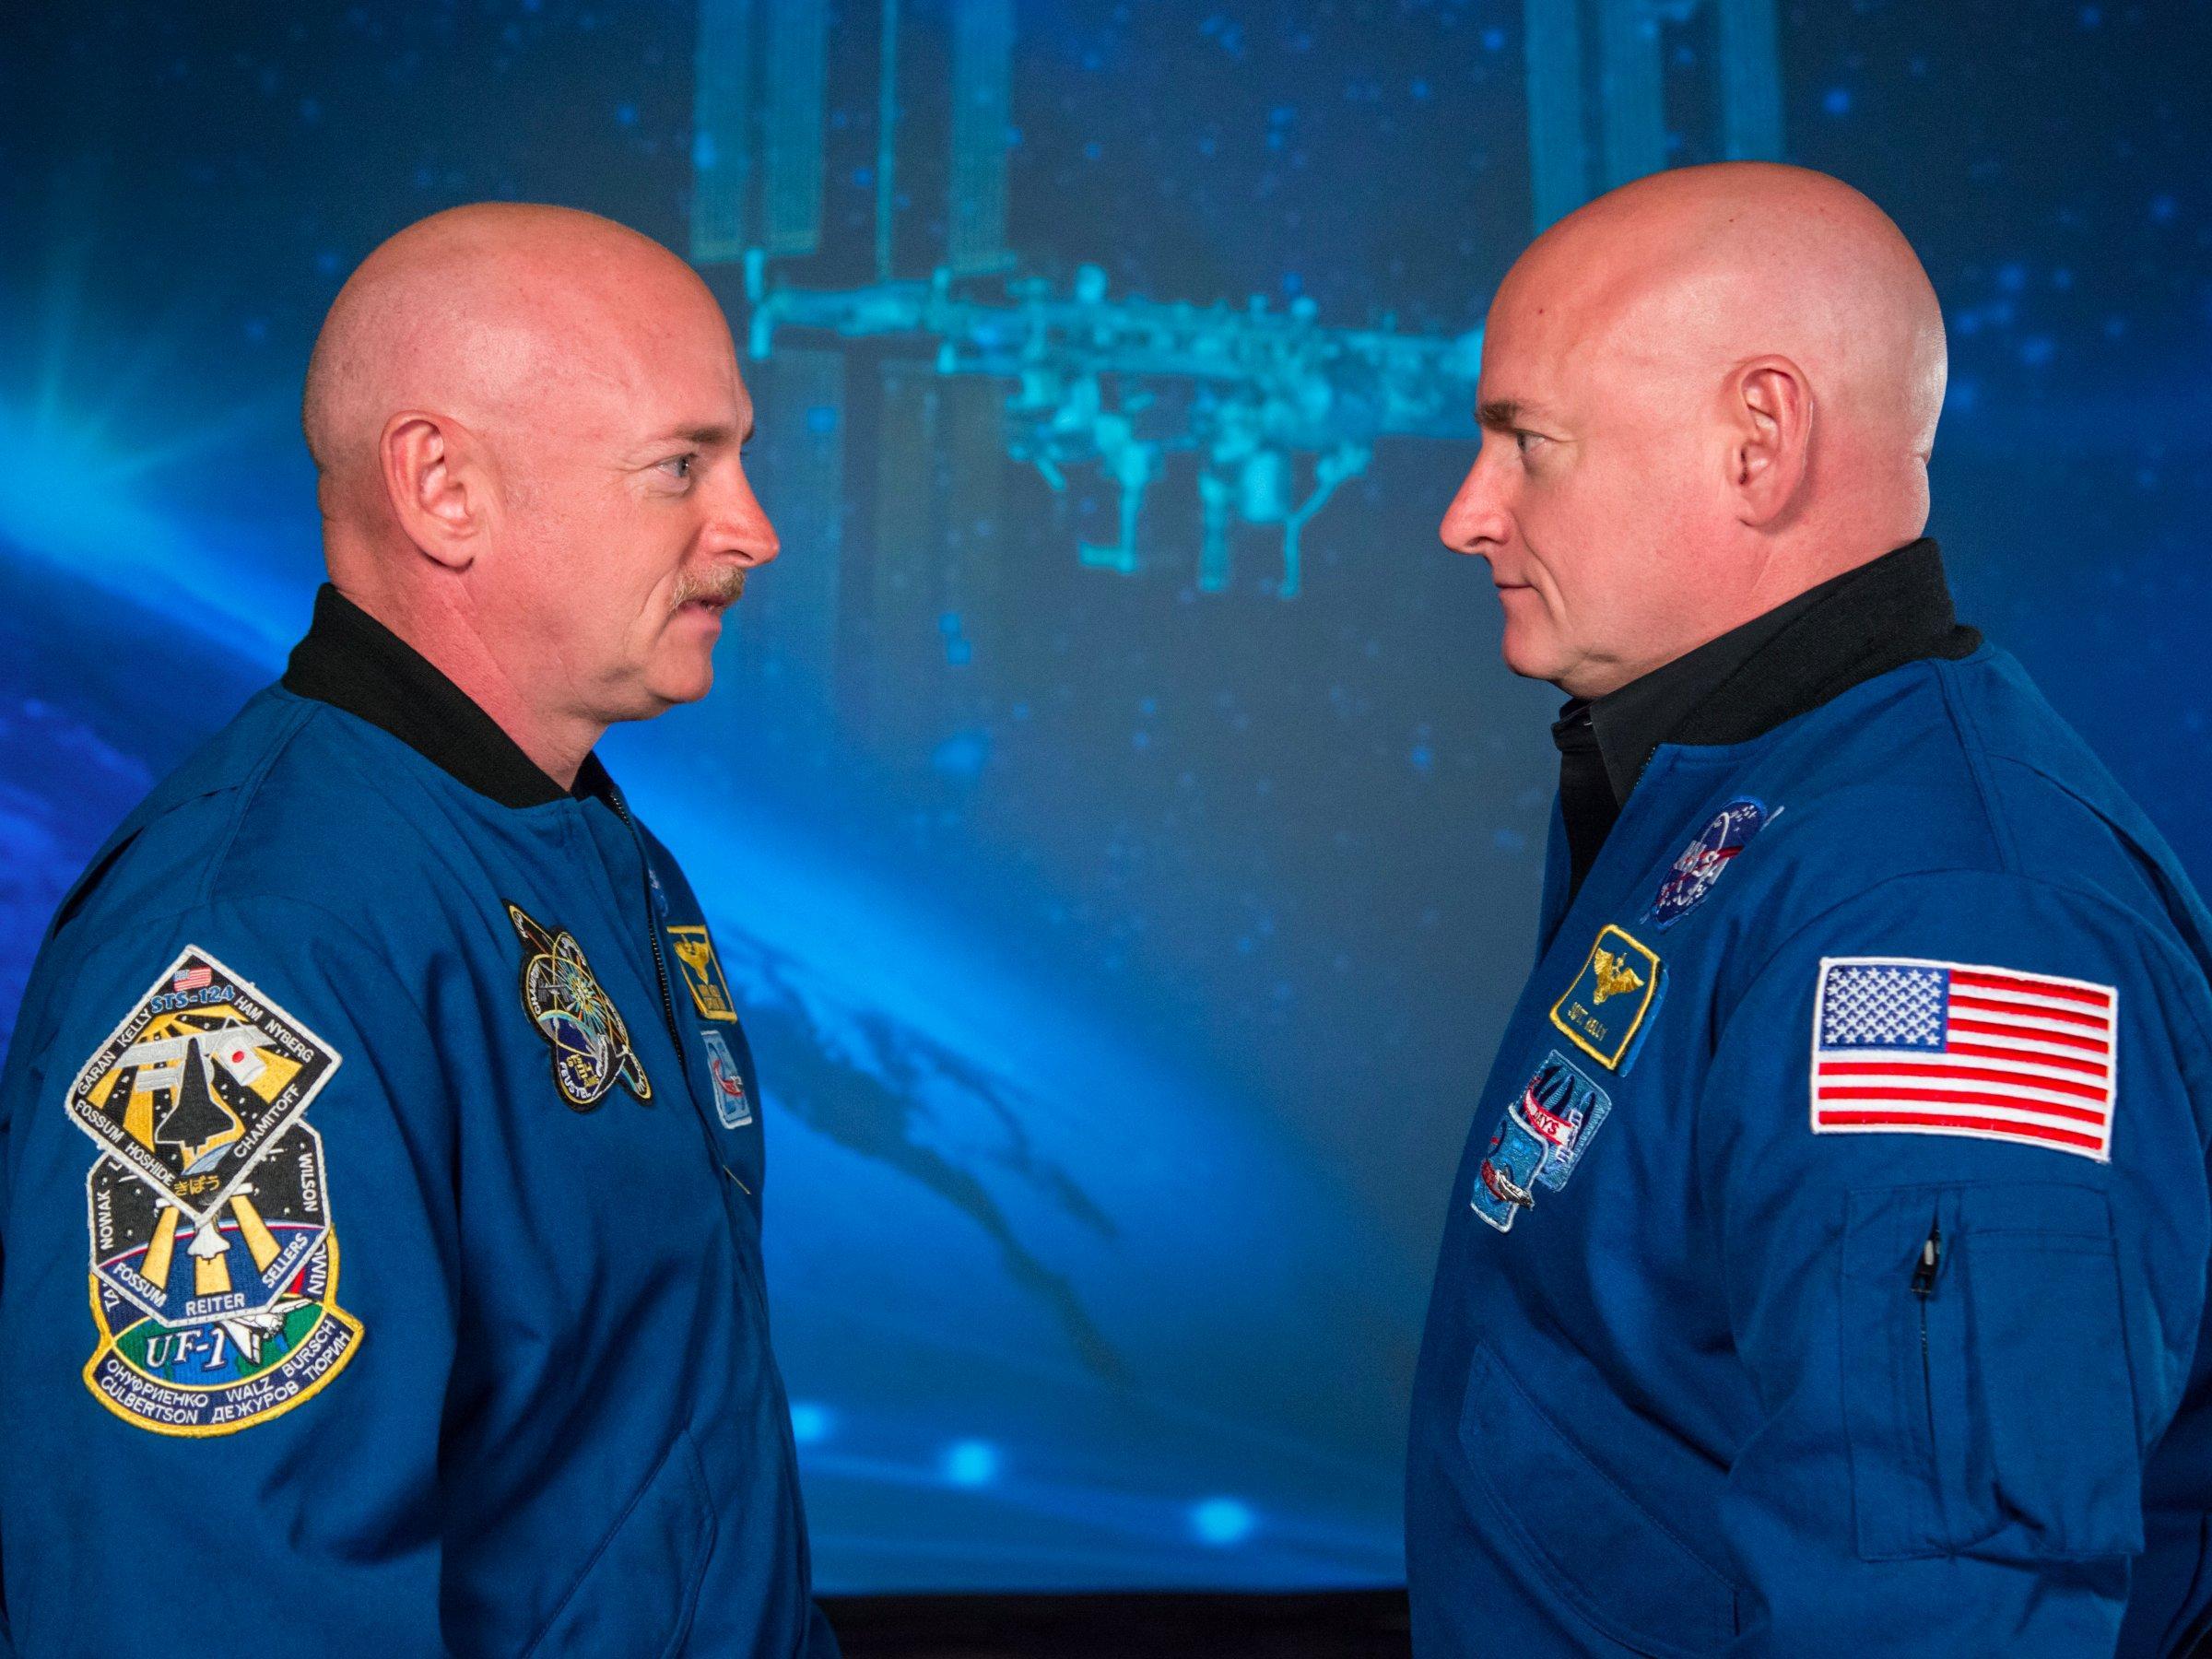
(1923,1287)
(659,969)
(749,1270)
(652,927)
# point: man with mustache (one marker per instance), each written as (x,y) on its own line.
(389,971)
(1826,1271)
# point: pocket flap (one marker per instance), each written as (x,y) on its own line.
(1618,1566)
(1989,1407)
(633,1599)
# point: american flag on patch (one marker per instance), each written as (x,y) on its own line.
(192,979)
(1902,1045)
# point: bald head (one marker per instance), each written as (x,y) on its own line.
(494,314)
(1701,393)
(525,423)
(1683,275)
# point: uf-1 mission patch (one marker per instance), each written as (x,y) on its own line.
(214,1264)
(731,1103)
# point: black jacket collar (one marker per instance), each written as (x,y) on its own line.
(353,662)
(1894,610)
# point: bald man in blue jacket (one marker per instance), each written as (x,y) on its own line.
(380,1161)
(1824,1274)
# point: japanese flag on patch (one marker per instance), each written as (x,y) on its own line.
(1902,1045)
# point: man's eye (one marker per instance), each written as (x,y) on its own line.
(1524,441)
(680,468)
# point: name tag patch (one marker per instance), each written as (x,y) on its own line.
(1604,1011)
(702,974)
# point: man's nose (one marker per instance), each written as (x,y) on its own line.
(1477,521)
(740,525)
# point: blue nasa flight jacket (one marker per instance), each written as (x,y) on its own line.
(380,1215)
(1826,1270)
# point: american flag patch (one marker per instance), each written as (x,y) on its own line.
(1906,1046)
(192,979)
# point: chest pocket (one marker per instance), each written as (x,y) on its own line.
(1615,1564)
(635,1595)
(1987,1397)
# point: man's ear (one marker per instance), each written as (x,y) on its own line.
(438,480)
(1769,405)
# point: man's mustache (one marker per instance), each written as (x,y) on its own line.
(724,583)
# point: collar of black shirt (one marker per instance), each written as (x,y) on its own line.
(1894,610)
(353,662)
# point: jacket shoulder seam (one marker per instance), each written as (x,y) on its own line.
(249,791)
(337,924)
(1976,754)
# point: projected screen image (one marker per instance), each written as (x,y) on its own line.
(1119,831)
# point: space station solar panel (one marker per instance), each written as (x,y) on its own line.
(721,134)
(1750,81)
(983,52)
(794,79)
(1635,143)
(801,396)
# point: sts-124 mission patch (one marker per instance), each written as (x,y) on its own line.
(214,1263)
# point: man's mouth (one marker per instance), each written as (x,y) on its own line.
(714,595)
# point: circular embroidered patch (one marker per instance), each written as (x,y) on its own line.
(1700,864)
(591,1044)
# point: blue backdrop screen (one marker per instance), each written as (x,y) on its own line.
(1121,834)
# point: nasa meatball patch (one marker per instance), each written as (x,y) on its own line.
(1699,866)
(214,1261)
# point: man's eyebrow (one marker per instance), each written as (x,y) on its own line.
(1501,414)
(707,435)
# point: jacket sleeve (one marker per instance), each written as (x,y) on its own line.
(1952,1144)
(228,1302)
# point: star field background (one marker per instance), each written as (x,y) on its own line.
(1122,994)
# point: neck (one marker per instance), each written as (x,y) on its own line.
(1776,574)
(556,739)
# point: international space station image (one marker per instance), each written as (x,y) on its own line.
(1262,410)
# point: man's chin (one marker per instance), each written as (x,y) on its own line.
(1532,654)
(680,680)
